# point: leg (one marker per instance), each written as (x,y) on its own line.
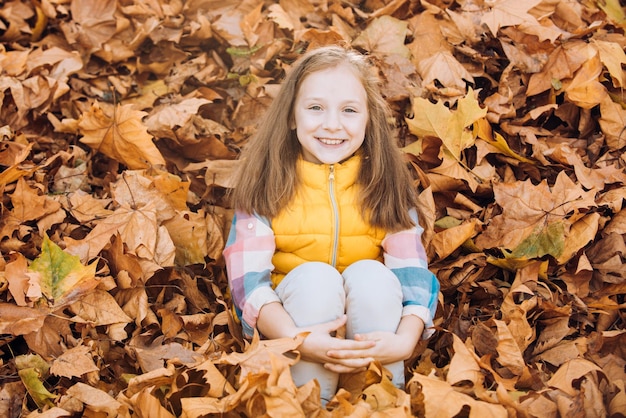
(373,303)
(313,293)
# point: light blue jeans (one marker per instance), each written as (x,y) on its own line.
(367,292)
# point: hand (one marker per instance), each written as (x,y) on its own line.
(274,322)
(388,347)
(320,342)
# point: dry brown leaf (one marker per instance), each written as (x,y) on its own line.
(384,35)
(74,362)
(565,377)
(98,308)
(120,135)
(442,400)
(95,399)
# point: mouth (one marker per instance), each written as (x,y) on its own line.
(330,141)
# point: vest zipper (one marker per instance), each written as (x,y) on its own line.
(333,203)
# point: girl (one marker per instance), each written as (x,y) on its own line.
(325,233)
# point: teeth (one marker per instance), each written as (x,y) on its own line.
(331,141)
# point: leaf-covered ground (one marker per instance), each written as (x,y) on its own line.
(121,122)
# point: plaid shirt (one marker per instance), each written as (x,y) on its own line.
(249,252)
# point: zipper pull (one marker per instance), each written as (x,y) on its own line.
(331,176)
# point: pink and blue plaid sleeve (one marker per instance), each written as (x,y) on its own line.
(248,255)
(405,256)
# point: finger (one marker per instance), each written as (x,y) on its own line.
(352,350)
(330,326)
(340,368)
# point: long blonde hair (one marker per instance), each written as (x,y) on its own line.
(267,177)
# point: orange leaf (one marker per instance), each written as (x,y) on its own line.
(121,136)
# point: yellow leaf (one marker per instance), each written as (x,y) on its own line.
(483,130)
(121,136)
(32,369)
(451,126)
(62,277)
(614,11)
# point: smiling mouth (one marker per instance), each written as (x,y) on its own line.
(328,141)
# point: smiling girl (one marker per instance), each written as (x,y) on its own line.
(325,233)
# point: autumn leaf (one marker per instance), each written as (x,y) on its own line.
(75,362)
(451,126)
(533,213)
(613,57)
(120,135)
(443,68)
(384,35)
(508,13)
(32,370)
(441,399)
(61,276)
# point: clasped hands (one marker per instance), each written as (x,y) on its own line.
(352,355)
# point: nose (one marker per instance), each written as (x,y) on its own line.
(332,120)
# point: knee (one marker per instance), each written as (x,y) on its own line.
(315,275)
(366,273)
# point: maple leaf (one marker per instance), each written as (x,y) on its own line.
(62,278)
(443,67)
(451,126)
(20,320)
(529,211)
(95,400)
(384,35)
(121,136)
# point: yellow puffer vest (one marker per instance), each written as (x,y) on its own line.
(323,222)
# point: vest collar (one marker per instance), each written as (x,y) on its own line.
(317,175)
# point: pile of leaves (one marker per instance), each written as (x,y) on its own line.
(121,122)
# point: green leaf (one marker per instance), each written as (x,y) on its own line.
(60,272)
(543,241)
(32,369)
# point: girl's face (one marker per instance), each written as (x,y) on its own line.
(331,115)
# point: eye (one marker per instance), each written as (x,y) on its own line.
(315,107)
(350,110)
